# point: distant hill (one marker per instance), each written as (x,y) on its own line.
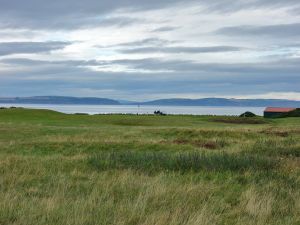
(59,100)
(160,102)
(224,102)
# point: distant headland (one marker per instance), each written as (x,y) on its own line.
(160,102)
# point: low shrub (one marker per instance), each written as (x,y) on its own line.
(248,114)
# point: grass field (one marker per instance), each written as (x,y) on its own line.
(147,170)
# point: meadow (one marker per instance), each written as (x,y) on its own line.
(147,170)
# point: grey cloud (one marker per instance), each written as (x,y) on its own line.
(23,62)
(265,70)
(295,10)
(69,22)
(244,70)
(133,84)
(178,49)
(274,31)
(143,42)
(291,66)
(71,14)
(228,6)
(15,34)
(147,41)
(44,63)
(115,21)
(184,77)
(30,62)
(9,48)
(165,29)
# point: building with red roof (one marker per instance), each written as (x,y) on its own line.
(276,112)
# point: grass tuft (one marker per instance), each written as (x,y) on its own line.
(239,120)
(150,162)
(283,148)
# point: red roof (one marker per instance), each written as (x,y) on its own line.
(282,110)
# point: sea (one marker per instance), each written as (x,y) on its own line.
(135,109)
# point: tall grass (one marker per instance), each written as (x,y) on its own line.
(182,162)
(276,147)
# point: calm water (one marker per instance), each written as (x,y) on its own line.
(132,109)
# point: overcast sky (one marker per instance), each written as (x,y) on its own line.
(144,50)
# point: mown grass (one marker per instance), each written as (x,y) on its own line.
(147,170)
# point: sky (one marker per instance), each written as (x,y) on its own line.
(146,50)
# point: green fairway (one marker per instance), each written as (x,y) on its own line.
(147,170)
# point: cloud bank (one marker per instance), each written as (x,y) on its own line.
(140,50)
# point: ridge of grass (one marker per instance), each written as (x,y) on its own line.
(151,162)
